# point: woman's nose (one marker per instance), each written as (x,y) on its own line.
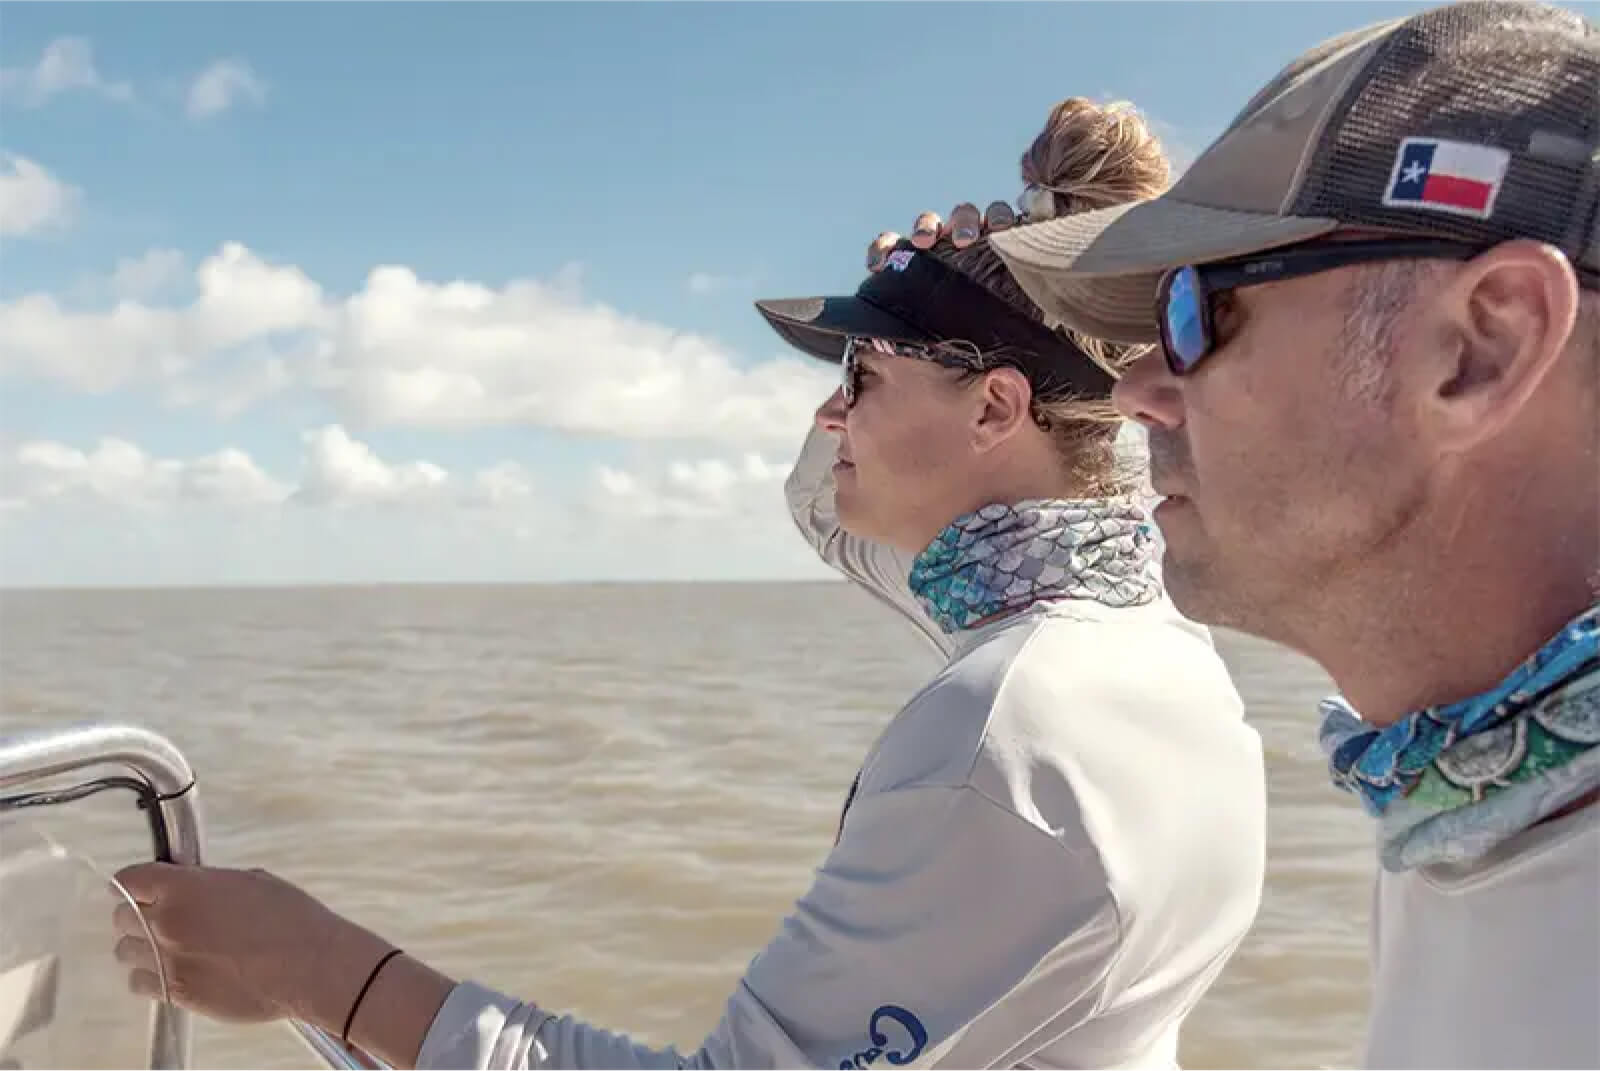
(830,414)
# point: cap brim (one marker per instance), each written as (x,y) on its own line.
(820,325)
(1097,272)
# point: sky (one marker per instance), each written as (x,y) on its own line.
(356,293)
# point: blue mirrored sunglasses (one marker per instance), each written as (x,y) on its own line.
(1184,305)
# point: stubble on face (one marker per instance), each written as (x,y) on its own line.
(1294,473)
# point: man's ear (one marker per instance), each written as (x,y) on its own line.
(1006,399)
(1502,324)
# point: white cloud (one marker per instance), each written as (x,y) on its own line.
(114,513)
(31,198)
(116,472)
(703,489)
(339,469)
(703,283)
(228,477)
(406,352)
(242,300)
(505,484)
(148,276)
(221,86)
(255,374)
(459,354)
(336,471)
(67,64)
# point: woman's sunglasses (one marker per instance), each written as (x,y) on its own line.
(854,345)
(1184,306)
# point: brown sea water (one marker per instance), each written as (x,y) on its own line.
(602,797)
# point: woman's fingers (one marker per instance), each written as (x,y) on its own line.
(878,250)
(146,984)
(127,921)
(998,216)
(138,953)
(966,226)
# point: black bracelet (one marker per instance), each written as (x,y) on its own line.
(344,1035)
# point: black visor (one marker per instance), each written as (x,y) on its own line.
(918,298)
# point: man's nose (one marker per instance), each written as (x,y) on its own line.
(1149,393)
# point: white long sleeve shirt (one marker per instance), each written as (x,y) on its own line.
(1493,963)
(1052,851)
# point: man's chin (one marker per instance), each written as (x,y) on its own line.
(1197,593)
(1188,583)
(1188,597)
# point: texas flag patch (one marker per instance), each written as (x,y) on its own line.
(1447,176)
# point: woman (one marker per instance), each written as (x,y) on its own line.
(1050,852)
(1088,156)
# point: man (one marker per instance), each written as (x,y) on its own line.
(1375,420)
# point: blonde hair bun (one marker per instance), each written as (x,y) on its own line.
(1091,156)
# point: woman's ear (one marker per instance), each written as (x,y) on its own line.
(1005,407)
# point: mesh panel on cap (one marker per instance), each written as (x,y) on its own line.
(1520,76)
(1297,68)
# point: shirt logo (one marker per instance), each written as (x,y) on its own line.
(1454,177)
(907,1036)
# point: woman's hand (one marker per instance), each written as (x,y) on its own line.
(964,228)
(241,946)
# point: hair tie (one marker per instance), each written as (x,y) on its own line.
(349,1020)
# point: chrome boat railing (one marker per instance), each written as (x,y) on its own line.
(170,799)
